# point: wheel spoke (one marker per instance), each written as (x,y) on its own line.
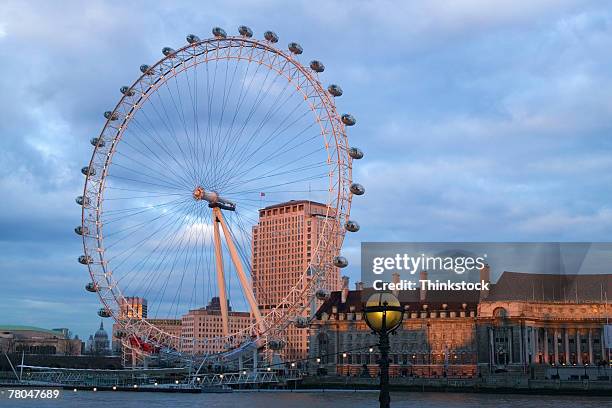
(209,136)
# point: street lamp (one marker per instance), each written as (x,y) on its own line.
(383,314)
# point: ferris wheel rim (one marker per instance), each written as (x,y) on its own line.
(343,196)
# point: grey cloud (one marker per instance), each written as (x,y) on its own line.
(479,121)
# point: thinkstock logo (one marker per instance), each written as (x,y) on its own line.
(472,266)
(412,264)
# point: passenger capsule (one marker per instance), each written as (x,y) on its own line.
(85,259)
(91,287)
(97,141)
(111,115)
(334,90)
(80,230)
(322,294)
(295,48)
(82,200)
(146,69)
(88,171)
(348,119)
(104,313)
(271,36)
(356,153)
(192,38)
(245,31)
(127,91)
(340,262)
(168,51)
(276,344)
(219,32)
(357,189)
(301,322)
(317,66)
(351,226)
(120,334)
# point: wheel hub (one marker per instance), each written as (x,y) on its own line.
(213,198)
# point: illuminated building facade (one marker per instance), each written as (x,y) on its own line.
(526,324)
(198,324)
(545,321)
(436,337)
(133,307)
(284,241)
(206,323)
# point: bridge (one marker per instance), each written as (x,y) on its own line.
(94,377)
(241,378)
(151,376)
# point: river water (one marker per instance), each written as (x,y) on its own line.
(336,399)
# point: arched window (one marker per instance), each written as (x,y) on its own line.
(500,312)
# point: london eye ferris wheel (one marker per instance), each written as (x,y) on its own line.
(195,147)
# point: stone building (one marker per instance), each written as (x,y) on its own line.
(526,323)
(34,340)
(198,324)
(206,323)
(170,326)
(544,320)
(437,336)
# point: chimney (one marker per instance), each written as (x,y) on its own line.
(345,288)
(423,291)
(395,278)
(358,285)
(485,276)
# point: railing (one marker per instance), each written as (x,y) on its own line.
(246,377)
(239,378)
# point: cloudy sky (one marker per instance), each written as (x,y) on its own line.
(481,121)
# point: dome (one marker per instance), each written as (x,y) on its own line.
(100,343)
(101,333)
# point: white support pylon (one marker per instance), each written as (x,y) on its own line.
(221,277)
(244,281)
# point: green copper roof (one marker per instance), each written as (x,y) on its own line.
(9,327)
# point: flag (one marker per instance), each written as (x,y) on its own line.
(262,194)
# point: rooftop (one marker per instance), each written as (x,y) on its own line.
(14,328)
(292,202)
(453,300)
(552,287)
(511,286)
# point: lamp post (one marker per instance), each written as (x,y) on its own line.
(383,314)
